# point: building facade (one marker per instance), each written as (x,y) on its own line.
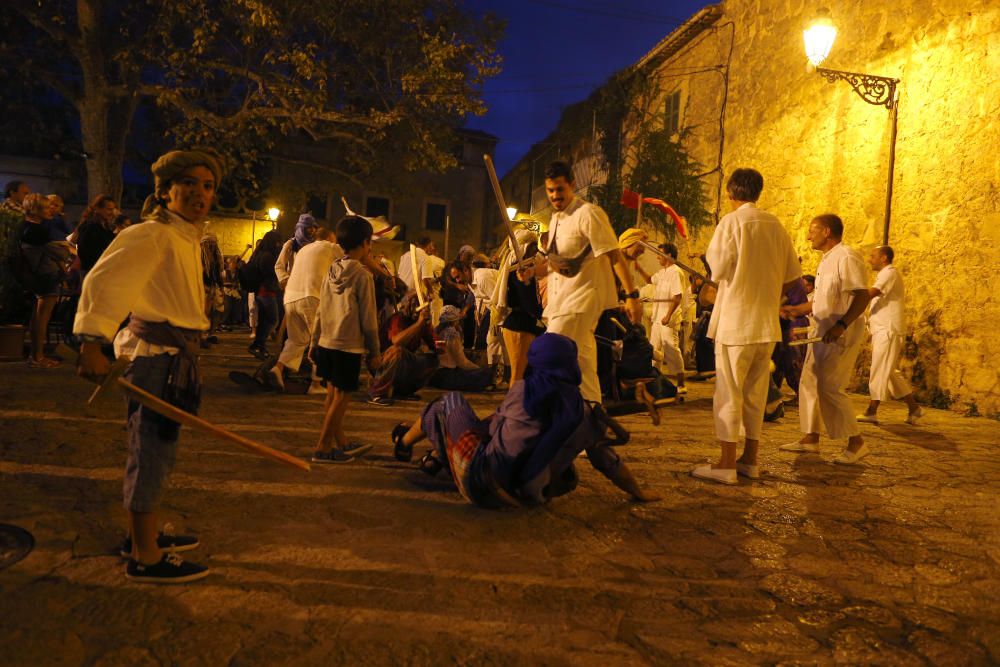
(734,83)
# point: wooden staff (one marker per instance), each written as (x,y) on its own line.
(188,419)
(805,341)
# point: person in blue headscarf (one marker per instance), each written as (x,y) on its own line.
(522,454)
(305,233)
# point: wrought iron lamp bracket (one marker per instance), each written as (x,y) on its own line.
(877,90)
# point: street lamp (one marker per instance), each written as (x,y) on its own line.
(877,90)
(511,212)
(273,214)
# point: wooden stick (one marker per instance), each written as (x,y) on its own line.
(805,341)
(117,369)
(188,419)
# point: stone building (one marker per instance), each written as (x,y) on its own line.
(734,84)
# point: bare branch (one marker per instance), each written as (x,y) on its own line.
(313,165)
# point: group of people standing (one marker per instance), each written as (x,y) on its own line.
(547,309)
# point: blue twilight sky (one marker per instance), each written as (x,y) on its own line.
(557,51)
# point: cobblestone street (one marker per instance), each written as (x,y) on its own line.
(893,562)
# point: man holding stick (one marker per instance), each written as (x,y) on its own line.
(839,301)
(154,272)
(581,283)
(753,261)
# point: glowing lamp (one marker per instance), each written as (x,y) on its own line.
(819,37)
(273,213)
(511,212)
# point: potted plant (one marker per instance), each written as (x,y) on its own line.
(13,310)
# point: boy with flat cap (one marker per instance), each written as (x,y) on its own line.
(154,272)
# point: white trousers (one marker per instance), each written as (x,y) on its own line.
(580,328)
(886,381)
(741,373)
(666,340)
(252,309)
(300,316)
(825,374)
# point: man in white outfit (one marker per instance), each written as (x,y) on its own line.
(887,324)
(581,281)
(839,301)
(425,248)
(753,261)
(302,299)
(668,314)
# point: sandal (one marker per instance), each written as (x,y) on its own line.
(430,463)
(401,451)
(44,362)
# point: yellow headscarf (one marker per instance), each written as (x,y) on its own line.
(630,237)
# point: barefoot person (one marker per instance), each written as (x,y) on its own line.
(753,261)
(154,272)
(887,324)
(838,305)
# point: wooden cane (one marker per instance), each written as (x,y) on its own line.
(805,341)
(188,419)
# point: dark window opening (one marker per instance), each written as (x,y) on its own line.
(376,206)
(436,215)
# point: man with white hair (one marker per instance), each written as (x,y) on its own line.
(887,324)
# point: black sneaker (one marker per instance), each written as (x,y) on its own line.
(332,456)
(382,401)
(166,542)
(172,569)
(259,352)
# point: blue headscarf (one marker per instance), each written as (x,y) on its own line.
(305,222)
(552,396)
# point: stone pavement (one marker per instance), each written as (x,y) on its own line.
(893,562)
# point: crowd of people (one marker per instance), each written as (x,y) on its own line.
(567,323)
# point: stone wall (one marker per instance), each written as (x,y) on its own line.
(822,148)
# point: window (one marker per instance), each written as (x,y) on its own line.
(316,204)
(376,206)
(672,113)
(435,216)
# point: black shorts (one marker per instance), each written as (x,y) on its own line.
(341,369)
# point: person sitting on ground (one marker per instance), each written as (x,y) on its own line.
(523,454)
(455,370)
(405,370)
(346,329)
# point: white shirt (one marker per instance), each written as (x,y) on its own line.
(484,282)
(840,271)
(593,288)
(152,270)
(285,262)
(751,256)
(888,308)
(667,282)
(406,267)
(309,270)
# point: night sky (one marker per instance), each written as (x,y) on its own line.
(557,51)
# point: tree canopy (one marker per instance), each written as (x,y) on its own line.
(362,76)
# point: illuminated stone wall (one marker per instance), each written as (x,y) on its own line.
(822,148)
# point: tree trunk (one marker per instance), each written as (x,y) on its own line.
(104,163)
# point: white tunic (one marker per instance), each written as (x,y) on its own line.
(592,290)
(668,283)
(751,256)
(309,270)
(840,271)
(406,267)
(152,270)
(887,309)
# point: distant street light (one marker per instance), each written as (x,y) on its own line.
(511,212)
(878,90)
(273,214)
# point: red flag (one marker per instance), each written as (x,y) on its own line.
(630,199)
(679,222)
